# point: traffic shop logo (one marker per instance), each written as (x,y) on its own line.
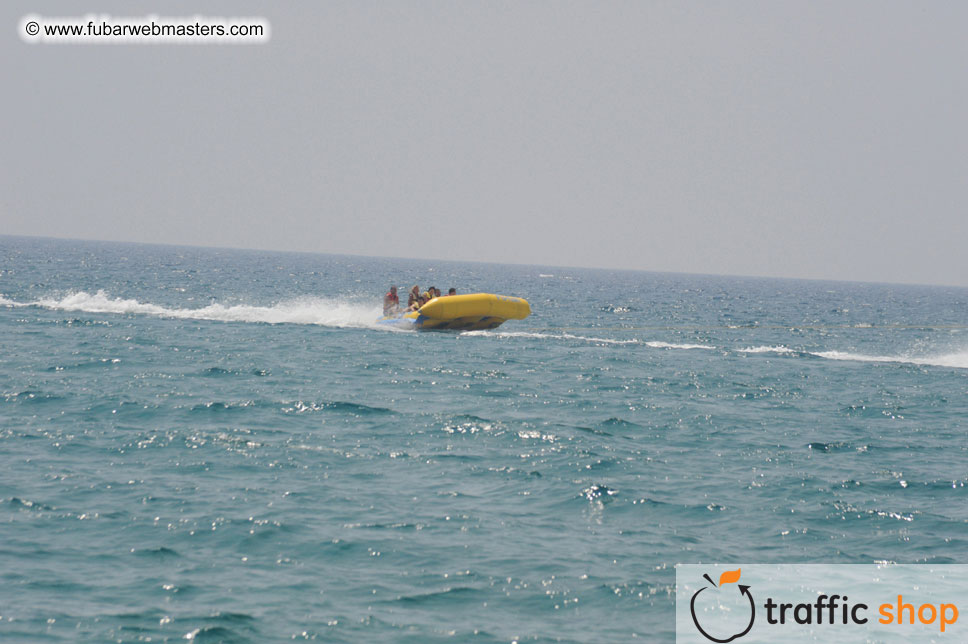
(717,593)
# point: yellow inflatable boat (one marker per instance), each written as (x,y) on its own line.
(462,312)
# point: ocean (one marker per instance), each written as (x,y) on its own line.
(221,446)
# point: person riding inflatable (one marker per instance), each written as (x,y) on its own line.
(391,301)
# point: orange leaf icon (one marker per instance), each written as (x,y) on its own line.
(729,577)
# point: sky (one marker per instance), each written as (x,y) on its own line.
(822,140)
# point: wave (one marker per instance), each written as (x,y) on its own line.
(304,310)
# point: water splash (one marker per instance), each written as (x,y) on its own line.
(330,312)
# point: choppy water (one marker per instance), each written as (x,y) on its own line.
(219,445)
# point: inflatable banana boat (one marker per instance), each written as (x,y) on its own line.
(462,312)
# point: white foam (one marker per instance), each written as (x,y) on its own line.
(5,302)
(547,336)
(670,345)
(570,336)
(764,349)
(305,310)
(957,359)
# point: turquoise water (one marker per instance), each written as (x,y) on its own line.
(219,445)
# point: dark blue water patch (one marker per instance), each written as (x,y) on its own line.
(76,321)
(940,559)
(597,465)
(404,526)
(94,363)
(224,629)
(221,372)
(218,371)
(592,430)
(32,397)
(159,625)
(462,458)
(17,503)
(874,410)
(599,492)
(217,406)
(123,410)
(836,446)
(616,423)
(160,553)
(469,418)
(451,596)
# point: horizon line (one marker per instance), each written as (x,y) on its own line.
(469,261)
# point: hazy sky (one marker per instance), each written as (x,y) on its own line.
(798,139)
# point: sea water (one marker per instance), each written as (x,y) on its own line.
(222,446)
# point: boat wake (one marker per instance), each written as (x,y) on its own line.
(344,313)
(773,349)
(329,312)
(581,338)
(672,345)
(956,359)
(544,336)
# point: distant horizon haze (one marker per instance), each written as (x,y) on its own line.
(474,261)
(820,140)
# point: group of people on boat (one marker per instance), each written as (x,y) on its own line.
(415,299)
